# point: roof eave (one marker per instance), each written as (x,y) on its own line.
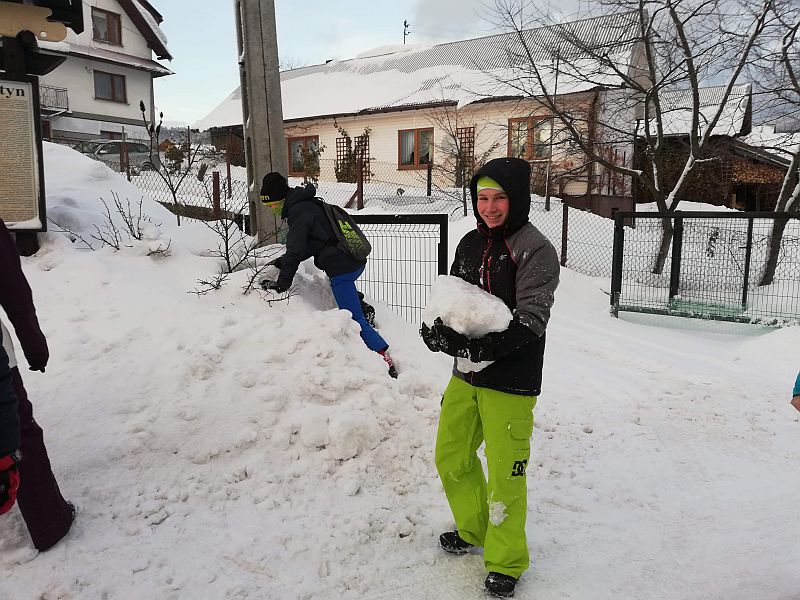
(374,111)
(153,41)
(157,70)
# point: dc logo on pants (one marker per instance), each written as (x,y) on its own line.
(518,470)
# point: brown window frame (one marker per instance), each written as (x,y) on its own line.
(417,165)
(114,88)
(289,141)
(530,144)
(114,32)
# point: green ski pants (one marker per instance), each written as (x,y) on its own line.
(493,515)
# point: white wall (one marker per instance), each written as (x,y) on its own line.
(133,43)
(77,75)
(491,128)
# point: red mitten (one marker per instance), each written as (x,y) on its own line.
(9,481)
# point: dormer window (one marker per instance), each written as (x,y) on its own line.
(106,27)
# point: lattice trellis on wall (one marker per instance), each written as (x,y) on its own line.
(466,143)
(347,156)
(344,146)
(362,153)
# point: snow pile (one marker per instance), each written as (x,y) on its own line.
(469,310)
(83,196)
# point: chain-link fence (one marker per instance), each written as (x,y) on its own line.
(730,266)
(207,186)
(582,239)
(214,185)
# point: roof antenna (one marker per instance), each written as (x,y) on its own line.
(406,33)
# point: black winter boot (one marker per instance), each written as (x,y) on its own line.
(451,542)
(367,309)
(500,585)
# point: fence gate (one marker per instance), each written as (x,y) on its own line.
(408,253)
(708,265)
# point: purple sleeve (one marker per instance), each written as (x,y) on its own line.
(17,301)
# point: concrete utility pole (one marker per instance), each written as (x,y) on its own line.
(264,140)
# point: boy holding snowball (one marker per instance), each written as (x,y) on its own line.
(509,258)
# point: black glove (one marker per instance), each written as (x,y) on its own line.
(430,340)
(273,286)
(9,481)
(37,362)
(442,338)
(276,263)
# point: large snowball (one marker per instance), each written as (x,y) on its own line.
(469,310)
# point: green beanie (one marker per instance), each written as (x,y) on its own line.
(485,183)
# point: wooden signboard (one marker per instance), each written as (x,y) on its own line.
(20,17)
(22,204)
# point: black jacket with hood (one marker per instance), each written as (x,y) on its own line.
(518,264)
(310,234)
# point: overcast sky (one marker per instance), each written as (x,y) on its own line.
(202,39)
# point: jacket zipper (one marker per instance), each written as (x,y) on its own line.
(484,273)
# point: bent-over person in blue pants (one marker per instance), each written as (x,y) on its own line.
(311,234)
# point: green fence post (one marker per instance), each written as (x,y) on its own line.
(675,269)
(616,262)
(747,256)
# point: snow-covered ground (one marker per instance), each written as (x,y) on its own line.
(221,447)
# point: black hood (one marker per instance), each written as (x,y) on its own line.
(295,197)
(514,176)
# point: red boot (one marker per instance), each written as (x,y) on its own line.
(390,362)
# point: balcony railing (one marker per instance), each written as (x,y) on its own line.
(53,98)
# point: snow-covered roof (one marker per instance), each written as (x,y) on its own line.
(147,20)
(458,72)
(101,54)
(677,110)
(765,136)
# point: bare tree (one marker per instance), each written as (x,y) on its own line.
(636,80)
(180,159)
(235,250)
(456,161)
(781,73)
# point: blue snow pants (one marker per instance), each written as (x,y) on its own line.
(346,295)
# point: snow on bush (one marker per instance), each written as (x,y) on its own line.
(469,310)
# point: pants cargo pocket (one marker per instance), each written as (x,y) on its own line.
(520,431)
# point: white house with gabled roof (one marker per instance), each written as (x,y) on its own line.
(409,107)
(110,68)
(413,100)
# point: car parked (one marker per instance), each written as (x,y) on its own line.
(111,151)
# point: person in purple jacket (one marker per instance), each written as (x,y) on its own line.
(796,393)
(47,514)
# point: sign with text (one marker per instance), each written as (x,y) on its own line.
(20,155)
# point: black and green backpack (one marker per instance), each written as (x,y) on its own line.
(349,237)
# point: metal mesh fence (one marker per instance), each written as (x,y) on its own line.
(408,252)
(211,187)
(582,239)
(720,261)
(709,265)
